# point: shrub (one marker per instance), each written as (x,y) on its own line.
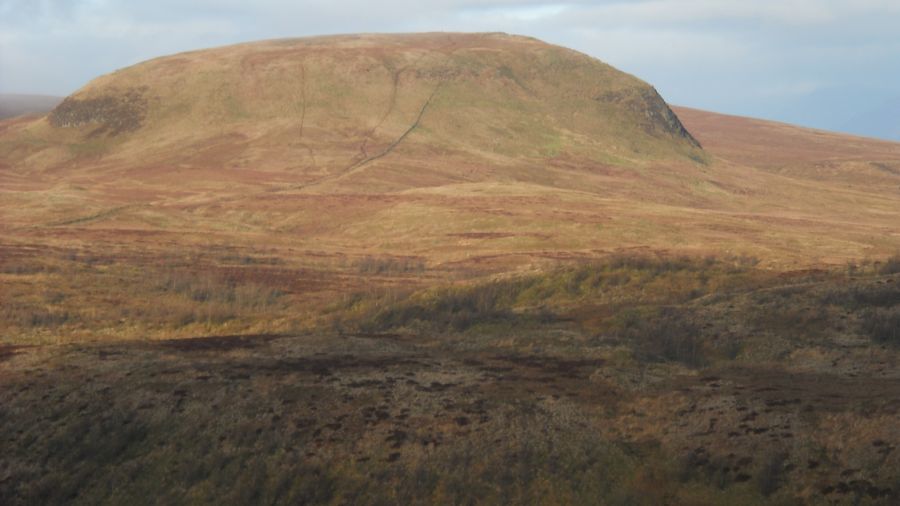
(27,316)
(620,280)
(771,474)
(891,265)
(666,334)
(862,296)
(455,309)
(49,318)
(390,265)
(882,325)
(208,289)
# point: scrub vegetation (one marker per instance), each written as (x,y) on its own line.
(630,379)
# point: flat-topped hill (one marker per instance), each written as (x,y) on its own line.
(443,106)
(455,149)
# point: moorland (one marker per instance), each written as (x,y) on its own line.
(439,268)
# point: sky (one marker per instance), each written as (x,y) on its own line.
(831,64)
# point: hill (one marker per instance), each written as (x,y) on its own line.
(461,150)
(320,109)
(12,105)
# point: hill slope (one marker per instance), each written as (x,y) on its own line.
(770,144)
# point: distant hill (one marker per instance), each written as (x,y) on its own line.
(768,144)
(882,122)
(12,105)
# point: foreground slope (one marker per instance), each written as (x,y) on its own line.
(635,381)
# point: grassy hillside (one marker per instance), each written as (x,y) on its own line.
(466,151)
(307,109)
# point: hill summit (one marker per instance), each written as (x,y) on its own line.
(330,106)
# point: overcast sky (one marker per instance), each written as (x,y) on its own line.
(832,64)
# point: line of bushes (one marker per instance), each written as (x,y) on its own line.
(25,316)
(649,290)
(619,279)
(209,288)
(121,295)
(664,334)
(882,325)
(390,265)
(860,296)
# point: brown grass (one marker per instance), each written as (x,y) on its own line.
(90,298)
(647,409)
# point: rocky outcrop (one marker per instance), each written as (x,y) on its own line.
(114,113)
(654,115)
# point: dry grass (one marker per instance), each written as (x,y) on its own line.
(82,298)
(618,281)
(649,410)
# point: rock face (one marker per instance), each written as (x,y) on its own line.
(653,114)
